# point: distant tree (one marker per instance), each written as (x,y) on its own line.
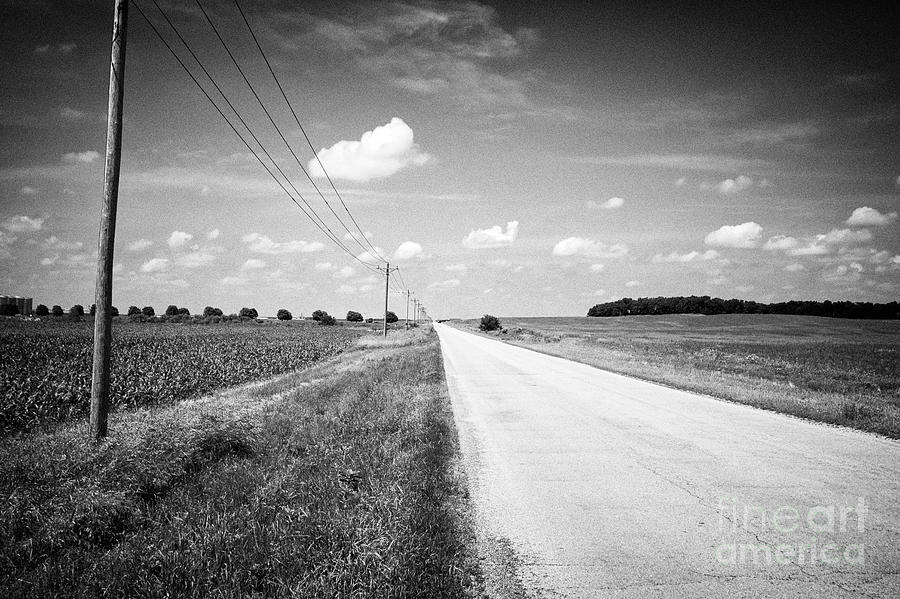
(354,316)
(318,314)
(171,310)
(327,319)
(390,317)
(489,323)
(41,310)
(57,310)
(132,310)
(9,310)
(284,314)
(76,310)
(93,309)
(148,311)
(210,311)
(113,310)
(248,313)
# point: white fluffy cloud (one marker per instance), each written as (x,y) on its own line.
(688,257)
(448,284)
(155,265)
(23,224)
(579,246)
(610,204)
(745,235)
(493,237)
(214,234)
(139,245)
(81,157)
(597,267)
(460,268)
(738,184)
(818,245)
(408,250)
(379,153)
(178,238)
(870,217)
(261,244)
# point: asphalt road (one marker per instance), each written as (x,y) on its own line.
(608,486)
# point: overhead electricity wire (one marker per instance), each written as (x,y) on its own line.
(303,130)
(321,223)
(323,227)
(274,124)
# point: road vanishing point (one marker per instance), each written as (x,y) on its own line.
(604,485)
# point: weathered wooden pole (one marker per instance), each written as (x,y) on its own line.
(103,315)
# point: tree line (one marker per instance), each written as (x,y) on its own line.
(713,305)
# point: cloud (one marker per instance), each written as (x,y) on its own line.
(795,267)
(448,284)
(71,114)
(408,250)
(196,259)
(234,281)
(178,238)
(781,242)
(631,284)
(870,217)
(745,235)
(253,264)
(688,257)
(460,268)
(87,156)
(579,246)
(494,237)
(450,51)
(379,153)
(261,244)
(610,204)
(214,234)
(680,181)
(370,257)
(155,265)
(597,267)
(28,190)
(54,242)
(691,162)
(23,224)
(323,266)
(66,48)
(50,260)
(345,273)
(347,290)
(736,185)
(139,245)
(354,235)
(822,244)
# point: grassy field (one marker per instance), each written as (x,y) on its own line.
(339,481)
(45,366)
(840,371)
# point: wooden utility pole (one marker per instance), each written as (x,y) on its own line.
(103,315)
(387,280)
(408,293)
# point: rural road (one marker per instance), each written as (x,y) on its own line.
(608,486)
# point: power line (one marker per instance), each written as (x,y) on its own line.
(323,227)
(274,124)
(303,130)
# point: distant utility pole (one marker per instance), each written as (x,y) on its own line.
(103,299)
(387,280)
(408,293)
(415,307)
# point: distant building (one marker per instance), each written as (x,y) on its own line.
(23,303)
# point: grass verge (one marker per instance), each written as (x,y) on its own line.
(339,481)
(839,372)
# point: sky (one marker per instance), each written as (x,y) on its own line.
(511,158)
